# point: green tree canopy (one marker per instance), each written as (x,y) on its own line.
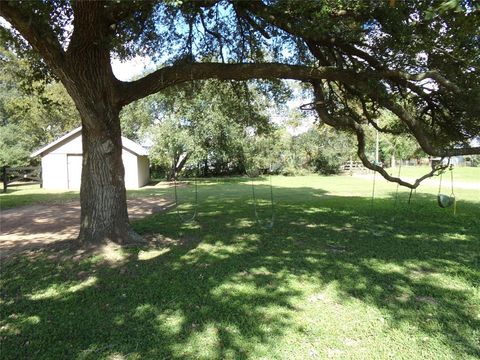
(33,112)
(200,122)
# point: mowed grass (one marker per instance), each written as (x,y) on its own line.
(338,276)
(460,173)
(20,195)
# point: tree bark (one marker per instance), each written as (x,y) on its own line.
(104,213)
(180,164)
(85,71)
(90,82)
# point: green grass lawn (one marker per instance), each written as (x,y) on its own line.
(463,174)
(337,277)
(20,195)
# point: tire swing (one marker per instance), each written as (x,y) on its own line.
(195,204)
(446,201)
(269,225)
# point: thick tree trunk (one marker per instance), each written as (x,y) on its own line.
(104,214)
(89,79)
(178,163)
(181,162)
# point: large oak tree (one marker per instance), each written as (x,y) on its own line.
(418,60)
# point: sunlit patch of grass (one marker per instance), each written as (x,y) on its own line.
(335,278)
(58,290)
(112,253)
(15,321)
(151,254)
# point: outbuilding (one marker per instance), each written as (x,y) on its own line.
(62,162)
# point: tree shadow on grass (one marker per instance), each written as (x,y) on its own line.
(220,287)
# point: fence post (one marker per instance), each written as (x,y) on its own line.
(4,178)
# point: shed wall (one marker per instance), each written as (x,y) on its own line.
(69,146)
(130,165)
(143,170)
(55,170)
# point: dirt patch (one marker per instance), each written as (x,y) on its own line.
(37,226)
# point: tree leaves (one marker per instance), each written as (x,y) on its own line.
(32,111)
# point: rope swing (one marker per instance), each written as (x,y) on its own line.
(445,201)
(195,211)
(373,188)
(396,192)
(269,224)
(195,179)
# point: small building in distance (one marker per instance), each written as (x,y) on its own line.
(62,162)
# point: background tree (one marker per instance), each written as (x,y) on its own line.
(14,146)
(358,56)
(331,149)
(172,147)
(33,112)
(137,118)
(265,152)
(201,124)
(392,147)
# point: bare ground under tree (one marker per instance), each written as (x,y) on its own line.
(35,227)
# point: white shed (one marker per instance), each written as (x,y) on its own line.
(62,162)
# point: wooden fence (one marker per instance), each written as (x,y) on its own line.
(21,175)
(353,166)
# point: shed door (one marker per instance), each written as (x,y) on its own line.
(74,168)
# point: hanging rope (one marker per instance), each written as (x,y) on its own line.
(410,196)
(396,192)
(195,179)
(440,183)
(452,195)
(373,187)
(398,184)
(195,211)
(271,223)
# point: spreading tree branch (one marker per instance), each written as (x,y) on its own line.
(368,82)
(378,93)
(402,76)
(177,74)
(417,128)
(241,13)
(37,32)
(348,123)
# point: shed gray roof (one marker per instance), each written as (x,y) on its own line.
(126,143)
